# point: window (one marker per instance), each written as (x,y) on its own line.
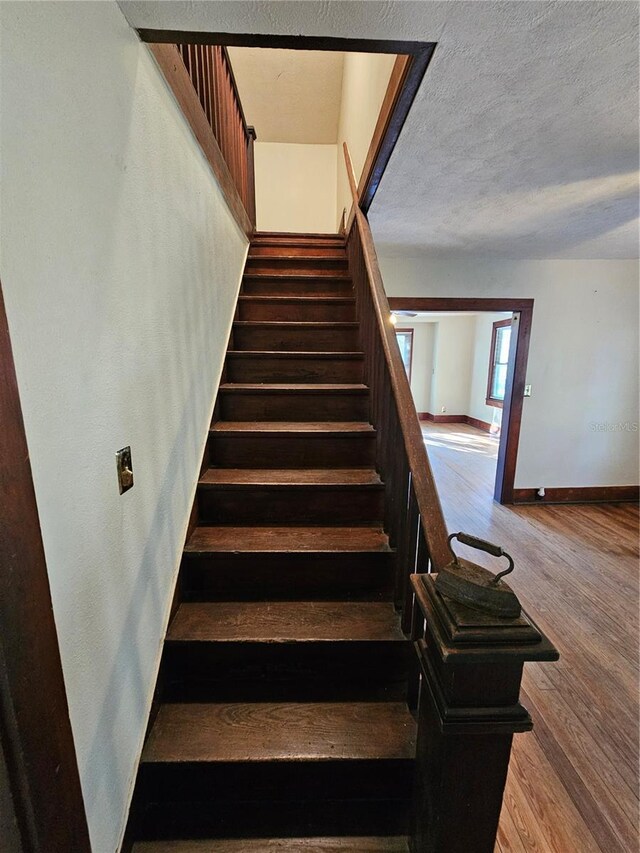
(498,360)
(405,342)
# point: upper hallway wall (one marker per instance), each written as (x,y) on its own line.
(578,425)
(295,187)
(365,78)
(120,268)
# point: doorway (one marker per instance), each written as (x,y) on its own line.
(504,329)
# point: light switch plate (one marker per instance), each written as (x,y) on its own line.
(125,469)
(527,390)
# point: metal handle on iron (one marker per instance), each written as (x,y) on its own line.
(481,545)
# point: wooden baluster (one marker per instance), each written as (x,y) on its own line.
(218,95)
(206,83)
(407,538)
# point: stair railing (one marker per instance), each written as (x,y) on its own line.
(209,68)
(413,516)
(468,665)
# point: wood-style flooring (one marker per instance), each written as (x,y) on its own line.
(573,781)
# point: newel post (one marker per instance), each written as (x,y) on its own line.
(251,176)
(468,711)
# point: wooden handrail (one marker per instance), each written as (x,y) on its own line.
(422,480)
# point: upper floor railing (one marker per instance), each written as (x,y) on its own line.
(212,77)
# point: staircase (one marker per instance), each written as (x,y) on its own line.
(282,721)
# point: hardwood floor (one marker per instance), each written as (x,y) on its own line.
(573,781)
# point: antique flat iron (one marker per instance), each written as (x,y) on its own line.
(475,586)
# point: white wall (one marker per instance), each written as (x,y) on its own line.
(365,78)
(480,369)
(421,362)
(120,268)
(295,187)
(452,362)
(583,357)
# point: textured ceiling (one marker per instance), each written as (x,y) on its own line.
(523,139)
(290,95)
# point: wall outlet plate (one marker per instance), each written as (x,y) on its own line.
(125,469)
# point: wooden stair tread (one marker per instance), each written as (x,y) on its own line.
(354,844)
(281,731)
(286,257)
(206,539)
(309,300)
(296,235)
(310,427)
(294,387)
(288,276)
(295,324)
(286,621)
(289,354)
(290,477)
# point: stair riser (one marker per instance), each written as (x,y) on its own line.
(263,819)
(298,407)
(280,672)
(289,312)
(296,266)
(276,782)
(339,576)
(266,368)
(290,505)
(289,450)
(328,250)
(273,286)
(296,339)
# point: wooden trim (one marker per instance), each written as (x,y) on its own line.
(512,405)
(410,333)
(34,717)
(516,376)
(458,303)
(405,80)
(423,483)
(442,419)
(455,419)
(489,400)
(289,42)
(394,88)
(579,495)
(485,426)
(179,81)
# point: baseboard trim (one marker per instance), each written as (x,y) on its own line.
(455,419)
(478,424)
(579,495)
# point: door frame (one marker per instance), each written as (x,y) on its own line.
(35,730)
(522,310)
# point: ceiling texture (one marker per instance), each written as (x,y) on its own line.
(290,95)
(523,139)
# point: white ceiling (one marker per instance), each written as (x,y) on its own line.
(290,95)
(523,139)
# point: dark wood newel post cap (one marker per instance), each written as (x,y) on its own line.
(463,635)
(472,662)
